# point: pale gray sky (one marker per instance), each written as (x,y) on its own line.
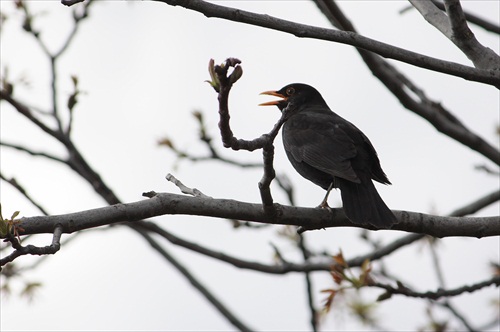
(142,66)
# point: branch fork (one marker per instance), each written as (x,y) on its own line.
(222,83)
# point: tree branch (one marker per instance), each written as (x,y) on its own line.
(13,182)
(31,249)
(491,27)
(32,152)
(455,28)
(436,114)
(222,82)
(306,31)
(495,280)
(310,218)
(287,267)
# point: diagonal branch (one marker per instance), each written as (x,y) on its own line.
(13,182)
(405,90)
(474,19)
(454,27)
(32,152)
(345,37)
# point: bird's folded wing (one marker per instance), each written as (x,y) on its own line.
(322,144)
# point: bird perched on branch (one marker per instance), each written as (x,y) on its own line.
(332,153)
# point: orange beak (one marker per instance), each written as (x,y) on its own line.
(274,102)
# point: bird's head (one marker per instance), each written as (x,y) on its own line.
(297,94)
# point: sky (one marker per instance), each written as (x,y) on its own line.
(141,66)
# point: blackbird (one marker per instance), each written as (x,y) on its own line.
(332,153)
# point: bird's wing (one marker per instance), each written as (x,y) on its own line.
(322,142)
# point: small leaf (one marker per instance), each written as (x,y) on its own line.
(214,80)
(74,79)
(236,74)
(337,276)
(365,277)
(166,142)
(198,115)
(329,300)
(339,259)
(30,290)
(384,296)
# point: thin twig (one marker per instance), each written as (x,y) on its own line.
(32,152)
(31,249)
(495,280)
(309,286)
(184,189)
(13,182)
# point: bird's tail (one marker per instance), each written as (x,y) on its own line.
(363,205)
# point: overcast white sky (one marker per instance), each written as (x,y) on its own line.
(142,66)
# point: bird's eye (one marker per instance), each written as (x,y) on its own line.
(290,91)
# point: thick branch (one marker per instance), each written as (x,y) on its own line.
(344,37)
(287,267)
(454,27)
(474,19)
(309,218)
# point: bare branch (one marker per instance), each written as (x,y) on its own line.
(13,182)
(287,267)
(207,140)
(455,28)
(185,190)
(309,218)
(474,19)
(477,205)
(33,250)
(24,110)
(306,31)
(222,83)
(495,280)
(32,152)
(400,86)
(309,286)
(433,15)
(442,285)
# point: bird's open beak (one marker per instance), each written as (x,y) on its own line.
(274,102)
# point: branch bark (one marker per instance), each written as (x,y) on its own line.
(308,218)
(454,27)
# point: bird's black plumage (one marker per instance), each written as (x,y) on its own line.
(331,152)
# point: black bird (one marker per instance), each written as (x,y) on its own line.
(332,153)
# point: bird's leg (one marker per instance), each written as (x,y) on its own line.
(324,203)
